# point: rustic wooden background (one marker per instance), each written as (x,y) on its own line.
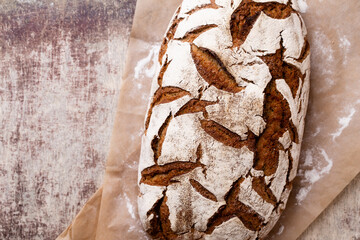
(60,72)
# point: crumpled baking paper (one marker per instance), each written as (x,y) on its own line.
(329,159)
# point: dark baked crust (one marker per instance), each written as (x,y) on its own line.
(266,146)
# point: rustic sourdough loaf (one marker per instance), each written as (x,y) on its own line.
(225,121)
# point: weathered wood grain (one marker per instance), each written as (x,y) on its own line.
(341,220)
(60,73)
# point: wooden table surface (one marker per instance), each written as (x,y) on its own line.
(60,70)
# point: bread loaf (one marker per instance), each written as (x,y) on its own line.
(225,122)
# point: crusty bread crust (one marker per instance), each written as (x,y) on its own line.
(226,119)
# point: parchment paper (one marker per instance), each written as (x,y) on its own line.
(330,153)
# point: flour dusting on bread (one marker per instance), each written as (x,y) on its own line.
(225,124)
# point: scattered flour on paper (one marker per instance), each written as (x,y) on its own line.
(345,45)
(344,123)
(319,163)
(129,206)
(324,51)
(281,230)
(317,131)
(147,65)
(344,42)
